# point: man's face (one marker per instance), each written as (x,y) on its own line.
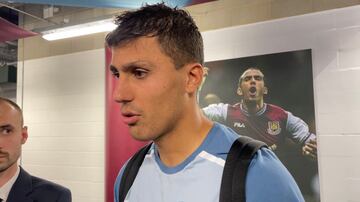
(150,90)
(252,87)
(12,136)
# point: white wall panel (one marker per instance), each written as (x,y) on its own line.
(64,108)
(69,173)
(91,114)
(343,142)
(91,99)
(81,159)
(69,144)
(334,37)
(353,187)
(87,191)
(82,129)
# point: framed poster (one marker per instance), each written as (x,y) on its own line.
(273,102)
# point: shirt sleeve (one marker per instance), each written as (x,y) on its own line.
(298,129)
(216,112)
(268,180)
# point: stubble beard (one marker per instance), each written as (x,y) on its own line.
(7,164)
(155,131)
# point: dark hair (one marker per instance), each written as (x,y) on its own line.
(250,68)
(176,31)
(13,104)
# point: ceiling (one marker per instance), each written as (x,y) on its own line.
(32,15)
(109,3)
(35,11)
(8,50)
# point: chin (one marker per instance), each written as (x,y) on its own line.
(141,136)
(4,167)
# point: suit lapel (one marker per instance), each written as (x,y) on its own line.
(21,188)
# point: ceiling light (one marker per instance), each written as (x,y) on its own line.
(79,30)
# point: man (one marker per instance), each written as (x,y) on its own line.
(266,122)
(157,58)
(16,185)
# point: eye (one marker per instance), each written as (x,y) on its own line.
(247,78)
(5,131)
(115,73)
(258,78)
(139,73)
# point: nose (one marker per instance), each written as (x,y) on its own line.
(122,92)
(252,79)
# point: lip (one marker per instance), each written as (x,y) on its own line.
(130,118)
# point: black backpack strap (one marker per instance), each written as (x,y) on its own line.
(131,170)
(235,170)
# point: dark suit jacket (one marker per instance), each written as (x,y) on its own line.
(28,188)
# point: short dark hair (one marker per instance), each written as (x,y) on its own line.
(247,69)
(177,33)
(16,106)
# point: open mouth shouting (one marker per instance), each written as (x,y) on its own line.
(252,91)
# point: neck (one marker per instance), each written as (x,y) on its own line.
(182,141)
(7,174)
(252,107)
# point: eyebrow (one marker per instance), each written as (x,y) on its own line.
(249,76)
(113,68)
(6,126)
(129,66)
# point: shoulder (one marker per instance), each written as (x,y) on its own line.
(118,181)
(216,112)
(42,184)
(274,107)
(130,169)
(267,175)
(219,140)
(212,108)
(38,189)
(274,111)
(45,188)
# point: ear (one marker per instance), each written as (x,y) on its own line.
(239,91)
(24,134)
(265,90)
(195,73)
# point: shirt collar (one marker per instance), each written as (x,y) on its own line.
(258,113)
(5,189)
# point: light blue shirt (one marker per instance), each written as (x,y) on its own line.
(198,178)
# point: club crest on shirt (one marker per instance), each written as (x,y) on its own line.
(274,127)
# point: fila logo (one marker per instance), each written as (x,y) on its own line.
(239,125)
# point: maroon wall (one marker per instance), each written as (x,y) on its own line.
(119,145)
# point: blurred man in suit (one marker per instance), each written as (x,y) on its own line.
(16,185)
